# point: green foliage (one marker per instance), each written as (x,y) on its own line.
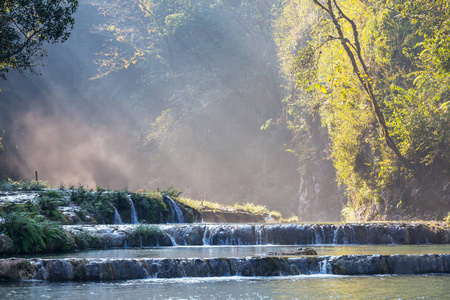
(97,204)
(32,233)
(8,185)
(405,46)
(86,240)
(24,27)
(146,235)
(149,206)
(170,191)
(49,202)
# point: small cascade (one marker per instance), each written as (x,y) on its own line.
(318,234)
(205,238)
(174,243)
(218,218)
(177,214)
(134,218)
(276,234)
(80,269)
(325,266)
(259,232)
(117,218)
(336,235)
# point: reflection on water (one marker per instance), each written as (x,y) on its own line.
(298,287)
(243,251)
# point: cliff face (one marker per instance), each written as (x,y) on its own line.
(320,198)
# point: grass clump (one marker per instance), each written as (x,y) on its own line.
(261,210)
(170,191)
(201,205)
(292,219)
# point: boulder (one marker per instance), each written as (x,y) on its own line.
(6,244)
(299,251)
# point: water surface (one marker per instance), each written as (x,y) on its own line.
(297,287)
(244,251)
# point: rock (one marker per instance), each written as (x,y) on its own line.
(299,251)
(6,244)
(14,269)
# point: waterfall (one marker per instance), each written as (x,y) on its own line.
(117,218)
(134,218)
(140,241)
(276,234)
(259,235)
(177,214)
(318,236)
(80,269)
(205,238)
(174,243)
(325,266)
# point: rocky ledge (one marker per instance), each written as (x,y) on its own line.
(102,236)
(122,269)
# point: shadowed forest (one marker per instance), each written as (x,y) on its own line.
(331,110)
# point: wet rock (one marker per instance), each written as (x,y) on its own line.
(6,244)
(102,236)
(123,269)
(18,269)
(299,251)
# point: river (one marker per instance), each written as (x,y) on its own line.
(296,287)
(316,286)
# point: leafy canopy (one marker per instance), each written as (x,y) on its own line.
(24,27)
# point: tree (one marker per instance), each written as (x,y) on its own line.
(24,27)
(352,47)
(376,73)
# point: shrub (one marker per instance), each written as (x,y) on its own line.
(97,204)
(85,240)
(146,235)
(49,202)
(149,206)
(33,233)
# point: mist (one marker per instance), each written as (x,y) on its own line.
(191,120)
